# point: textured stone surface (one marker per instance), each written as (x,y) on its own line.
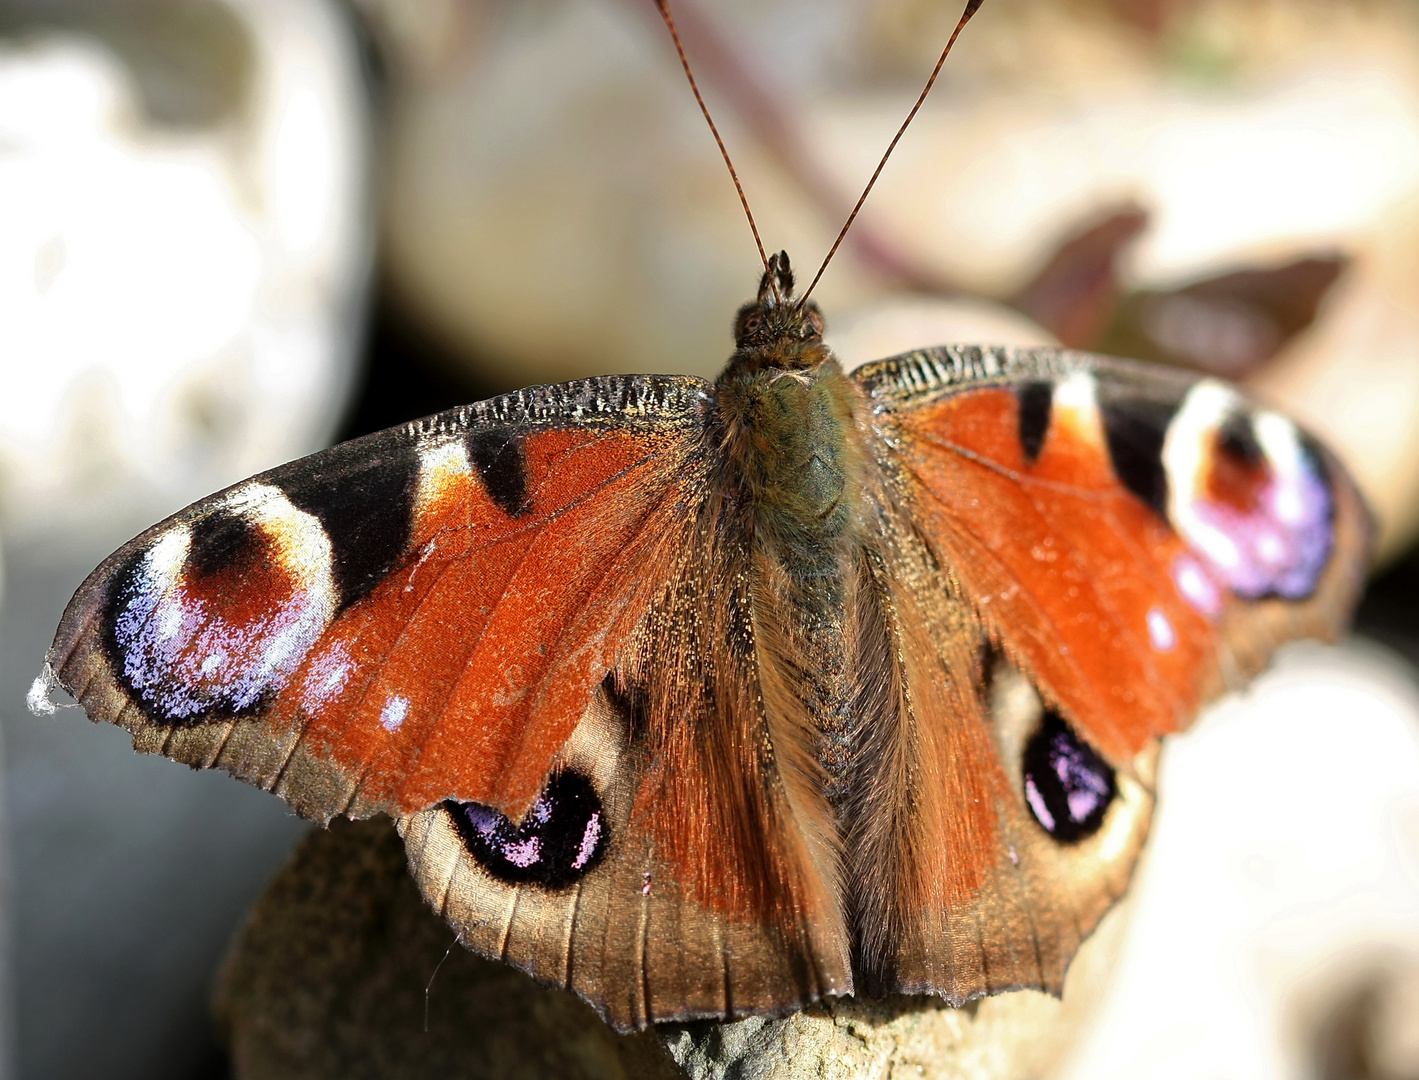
(328,979)
(1013,1035)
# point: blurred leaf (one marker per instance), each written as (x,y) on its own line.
(1075,295)
(1230,325)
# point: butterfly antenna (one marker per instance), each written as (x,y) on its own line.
(972,6)
(430,985)
(664,7)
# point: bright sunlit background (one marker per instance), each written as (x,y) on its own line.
(233,231)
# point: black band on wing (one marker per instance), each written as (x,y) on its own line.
(1036,403)
(1237,440)
(1135,429)
(223,542)
(366,506)
(502,466)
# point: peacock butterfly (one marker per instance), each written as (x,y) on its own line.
(704,699)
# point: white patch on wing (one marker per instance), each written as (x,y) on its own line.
(1281,442)
(394,712)
(1075,406)
(326,677)
(1160,631)
(1187,461)
(304,547)
(305,552)
(441,464)
(162,563)
(1195,585)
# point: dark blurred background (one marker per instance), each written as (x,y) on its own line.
(234,232)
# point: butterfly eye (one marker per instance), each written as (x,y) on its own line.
(748,325)
(1068,787)
(563,835)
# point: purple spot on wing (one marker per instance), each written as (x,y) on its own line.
(1083,802)
(562,835)
(1078,775)
(1037,804)
(589,839)
(1068,787)
(523,853)
(1280,547)
(484,819)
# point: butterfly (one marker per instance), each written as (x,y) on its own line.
(703,699)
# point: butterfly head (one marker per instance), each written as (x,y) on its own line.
(774,329)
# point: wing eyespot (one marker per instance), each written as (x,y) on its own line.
(212,617)
(1250,494)
(1068,787)
(1134,430)
(563,836)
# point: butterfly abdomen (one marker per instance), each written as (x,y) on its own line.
(794,454)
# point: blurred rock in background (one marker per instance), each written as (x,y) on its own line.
(185,247)
(556,208)
(1275,916)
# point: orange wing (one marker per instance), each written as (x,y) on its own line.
(1078,554)
(419,615)
(1135,540)
(504,626)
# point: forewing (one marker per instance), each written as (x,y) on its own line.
(1136,541)
(1080,554)
(419,615)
